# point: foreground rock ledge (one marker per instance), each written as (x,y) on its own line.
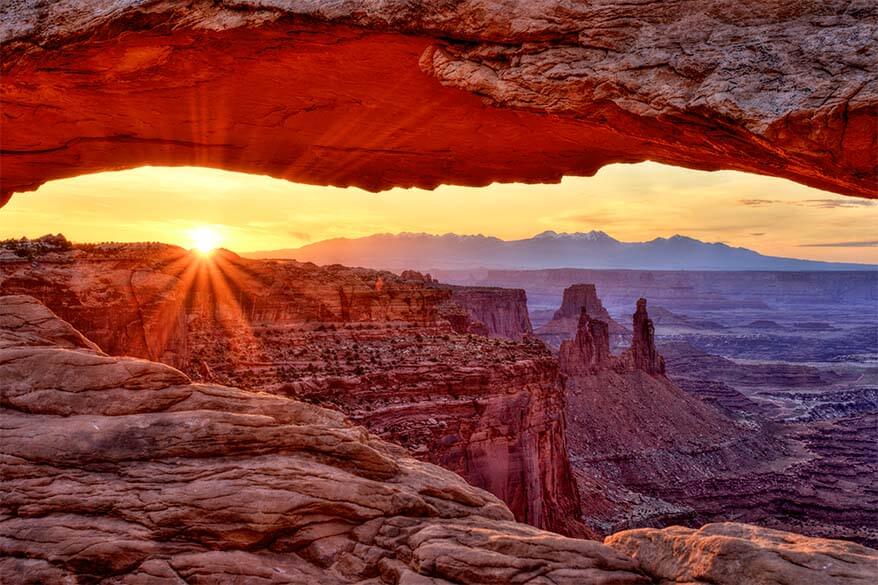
(120,470)
(401,93)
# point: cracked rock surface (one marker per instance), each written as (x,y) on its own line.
(412,93)
(731,554)
(119,470)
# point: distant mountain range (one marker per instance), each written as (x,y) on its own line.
(549,249)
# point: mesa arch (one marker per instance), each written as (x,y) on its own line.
(389,93)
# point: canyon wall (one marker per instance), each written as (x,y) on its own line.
(647,453)
(370,344)
(631,432)
(124,470)
(503,311)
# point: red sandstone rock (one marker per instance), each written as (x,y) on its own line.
(630,431)
(589,351)
(503,311)
(301,90)
(122,470)
(643,354)
(368,343)
(565,322)
(732,554)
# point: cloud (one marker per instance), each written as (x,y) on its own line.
(301,236)
(847,202)
(838,203)
(860,244)
(758,202)
(757,233)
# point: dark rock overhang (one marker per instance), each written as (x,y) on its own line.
(399,93)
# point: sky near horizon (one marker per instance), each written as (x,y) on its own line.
(630,202)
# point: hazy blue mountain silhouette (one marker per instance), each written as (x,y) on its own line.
(549,249)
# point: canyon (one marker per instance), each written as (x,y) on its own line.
(370,344)
(382,94)
(174,417)
(122,470)
(607,435)
(502,312)
(770,396)
(565,321)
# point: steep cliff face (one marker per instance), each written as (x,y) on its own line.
(631,431)
(503,311)
(370,344)
(565,322)
(643,355)
(124,470)
(589,351)
(565,89)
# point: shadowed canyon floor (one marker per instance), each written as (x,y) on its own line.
(120,470)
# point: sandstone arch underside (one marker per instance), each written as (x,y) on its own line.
(379,94)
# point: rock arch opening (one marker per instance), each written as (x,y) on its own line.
(744,393)
(260,216)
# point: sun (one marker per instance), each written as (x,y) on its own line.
(205,239)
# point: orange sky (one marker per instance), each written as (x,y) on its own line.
(630,202)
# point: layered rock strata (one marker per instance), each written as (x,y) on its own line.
(502,311)
(300,90)
(732,554)
(631,431)
(565,322)
(120,470)
(367,343)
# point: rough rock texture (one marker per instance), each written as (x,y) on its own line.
(732,554)
(370,344)
(380,94)
(565,321)
(120,470)
(641,449)
(643,355)
(631,432)
(503,311)
(589,351)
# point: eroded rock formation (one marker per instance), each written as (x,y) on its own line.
(382,94)
(589,351)
(370,344)
(565,322)
(732,554)
(643,355)
(502,311)
(122,470)
(631,431)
